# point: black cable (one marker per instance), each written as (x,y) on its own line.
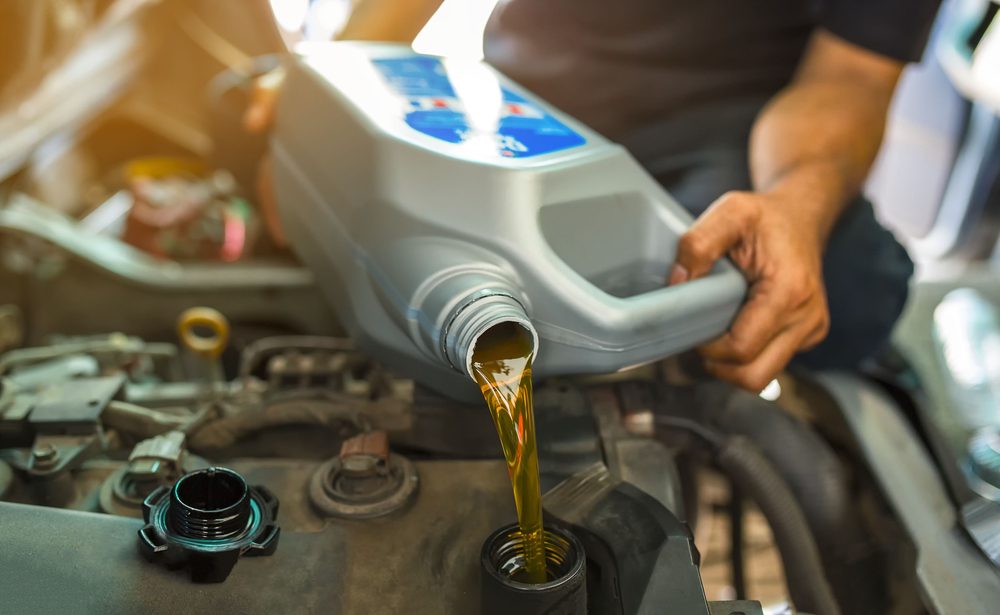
(736,518)
(710,436)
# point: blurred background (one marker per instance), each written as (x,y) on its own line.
(89,86)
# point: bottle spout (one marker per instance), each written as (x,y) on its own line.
(482,312)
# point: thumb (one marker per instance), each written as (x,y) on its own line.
(713,234)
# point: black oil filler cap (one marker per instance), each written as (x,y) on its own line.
(206,521)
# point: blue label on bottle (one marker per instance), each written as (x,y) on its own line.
(520,128)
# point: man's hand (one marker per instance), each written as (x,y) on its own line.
(810,151)
(779,251)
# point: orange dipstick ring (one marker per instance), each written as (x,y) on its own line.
(191,328)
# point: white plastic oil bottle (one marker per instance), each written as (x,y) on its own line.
(436,199)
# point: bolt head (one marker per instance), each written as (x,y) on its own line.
(44,452)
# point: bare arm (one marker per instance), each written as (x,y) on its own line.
(388,20)
(817,139)
(810,151)
(370,20)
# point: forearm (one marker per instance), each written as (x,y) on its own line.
(388,20)
(816,140)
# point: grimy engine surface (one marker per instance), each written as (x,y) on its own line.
(422,561)
(280,423)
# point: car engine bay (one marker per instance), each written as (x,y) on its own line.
(187,424)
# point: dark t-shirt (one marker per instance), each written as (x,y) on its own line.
(680,82)
(624,65)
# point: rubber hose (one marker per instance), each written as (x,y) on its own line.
(756,477)
(817,479)
(342,411)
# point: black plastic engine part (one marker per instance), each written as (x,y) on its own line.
(206,521)
(565,593)
(64,408)
(640,557)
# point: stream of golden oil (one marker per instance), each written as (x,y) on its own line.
(501,363)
